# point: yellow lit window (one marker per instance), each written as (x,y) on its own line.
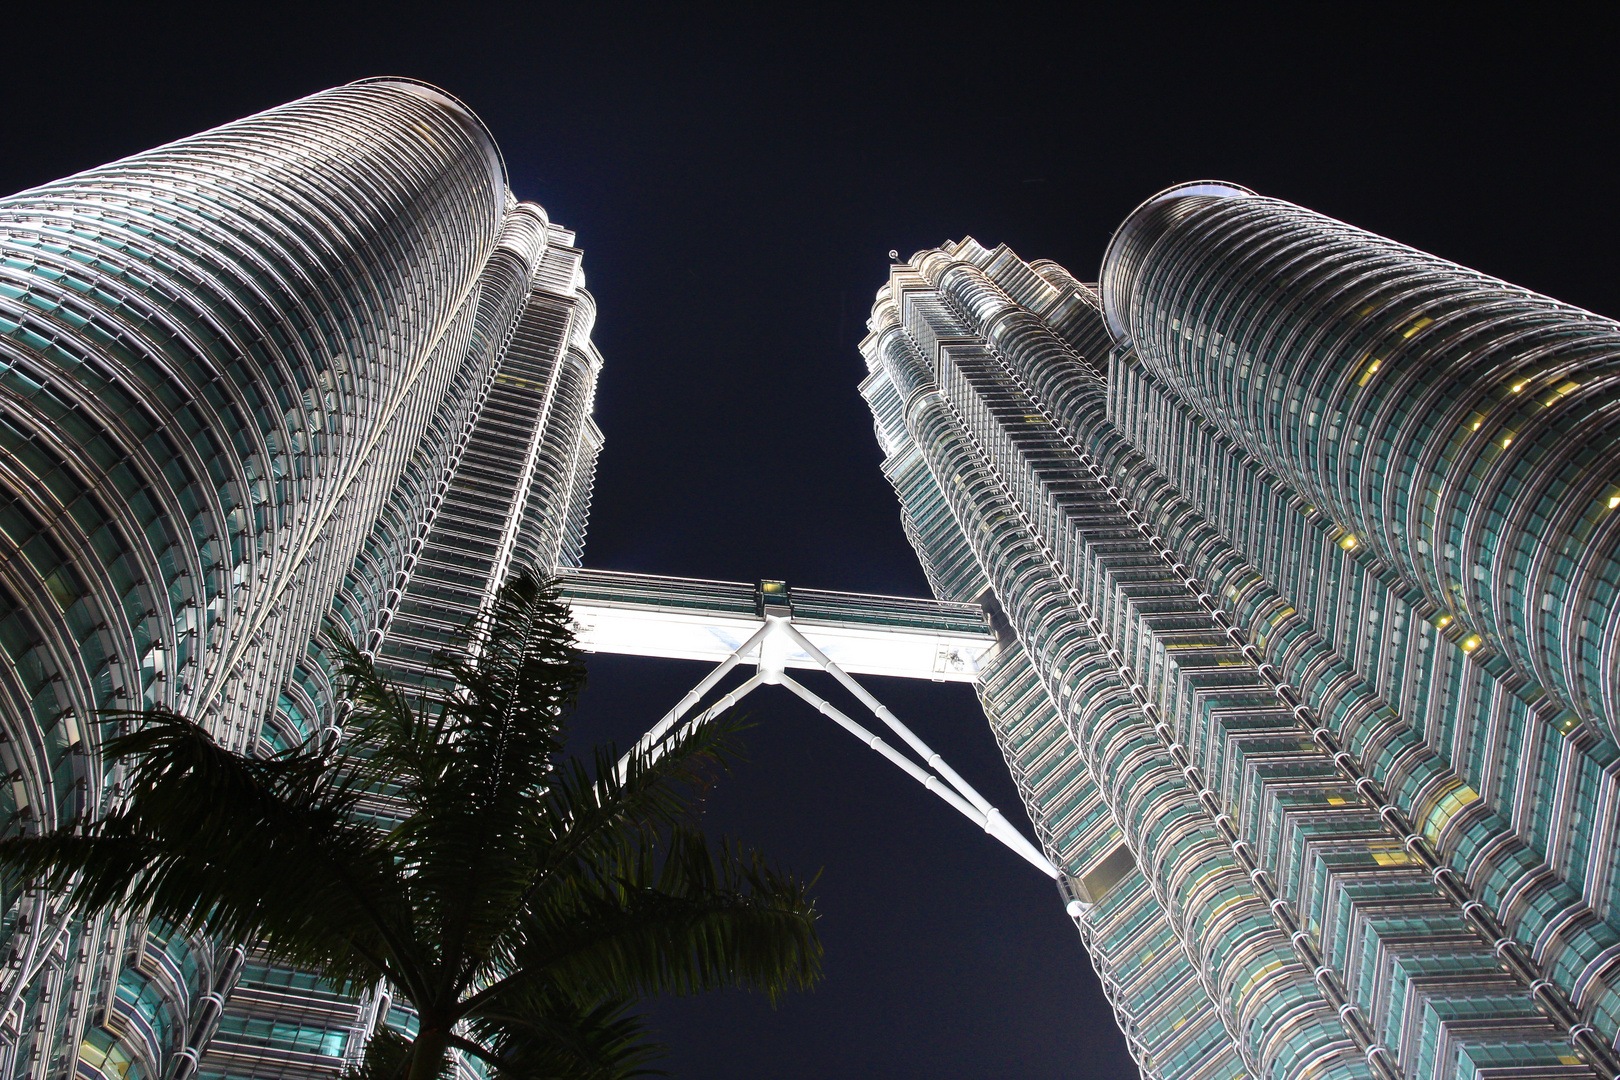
(1349,541)
(1389,853)
(1445,808)
(1258,976)
(1471,642)
(1415,327)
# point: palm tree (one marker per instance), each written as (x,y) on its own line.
(520,899)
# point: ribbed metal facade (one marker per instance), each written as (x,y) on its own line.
(1302,548)
(296,366)
(1463,429)
(1332,802)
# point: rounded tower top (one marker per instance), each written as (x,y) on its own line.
(1137,234)
(454,105)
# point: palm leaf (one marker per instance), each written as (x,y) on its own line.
(681,919)
(235,847)
(534,895)
(387,1055)
(557,1038)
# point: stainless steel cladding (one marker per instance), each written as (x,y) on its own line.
(1465,430)
(240,378)
(1301,549)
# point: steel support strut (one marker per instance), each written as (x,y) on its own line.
(771,641)
(992,822)
(656,735)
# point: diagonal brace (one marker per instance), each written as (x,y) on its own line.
(656,734)
(991,822)
(953,789)
(891,721)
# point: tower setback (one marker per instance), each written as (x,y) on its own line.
(317,362)
(1301,547)
(1284,561)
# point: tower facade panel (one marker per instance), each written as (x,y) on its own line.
(1462,428)
(248,381)
(1339,814)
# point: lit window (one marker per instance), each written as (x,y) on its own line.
(1446,808)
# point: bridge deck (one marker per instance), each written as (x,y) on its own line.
(693,619)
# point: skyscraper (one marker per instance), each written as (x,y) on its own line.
(315,362)
(318,362)
(1302,550)
(1284,562)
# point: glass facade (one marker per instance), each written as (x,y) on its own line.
(1327,803)
(1299,547)
(315,362)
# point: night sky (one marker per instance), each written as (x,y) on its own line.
(737,179)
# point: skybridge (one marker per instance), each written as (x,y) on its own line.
(693,619)
(772,628)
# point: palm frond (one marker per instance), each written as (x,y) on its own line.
(553,1037)
(531,894)
(526,639)
(677,918)
(231,846)
(681,920)
(387,1056)
(590,814)
(388,739)
(58,860)
(468,846)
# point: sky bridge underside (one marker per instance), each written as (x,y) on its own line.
(693,619)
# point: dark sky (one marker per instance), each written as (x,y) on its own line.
(737,179)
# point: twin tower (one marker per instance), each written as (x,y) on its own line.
(1295,554)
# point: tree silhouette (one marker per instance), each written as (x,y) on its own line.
(520,899)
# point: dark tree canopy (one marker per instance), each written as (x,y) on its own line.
(518,898)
